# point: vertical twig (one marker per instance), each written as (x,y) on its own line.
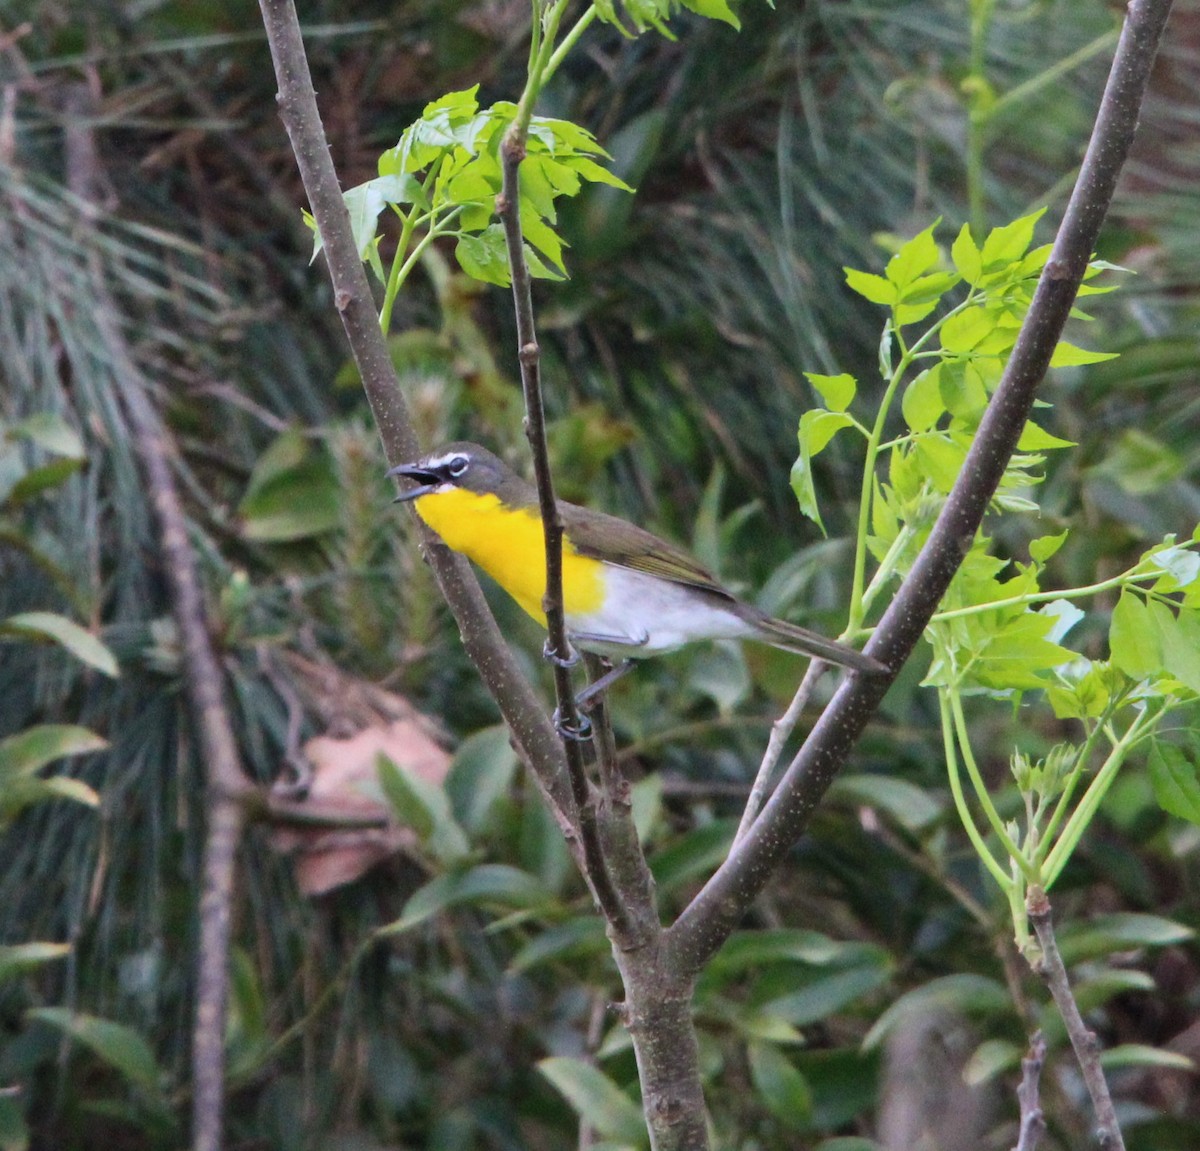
(1083,1040)
(558,648)
(658,996)
(1033,1122)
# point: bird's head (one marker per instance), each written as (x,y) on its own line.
(462,465)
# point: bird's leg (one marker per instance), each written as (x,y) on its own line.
(586,698)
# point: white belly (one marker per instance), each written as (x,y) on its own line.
(644,615)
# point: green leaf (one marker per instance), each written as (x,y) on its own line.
(991,1058)
(805,490)
(293,493)
(41,479)
(871,287)
(1141,1055)
(484,257)
(122,1048)
(1173,777)
(1141,464)
(922,404)
(480,776)
(596,1099)
(1035,439)
(693,855)
(425,807)
(818,427)
(19,958)
(1126,931)
(77,640)
(966,330)
(1181,563)
(837,391)
(409,807)
(827,994)
(579,938)
(966,256)
(1134,638)
(914,258)
(1042,548)
(489,885)
(1180,644)
(366,201)
(713,10)
(750,950)
(1068,356)
(780,1086)
(30,750)
(968,994)
(1008,244)
(910,806)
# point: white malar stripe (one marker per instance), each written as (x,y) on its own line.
(645,615)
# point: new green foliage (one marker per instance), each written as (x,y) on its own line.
(999,632)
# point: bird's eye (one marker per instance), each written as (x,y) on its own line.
(458,465)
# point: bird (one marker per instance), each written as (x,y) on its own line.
(627,594)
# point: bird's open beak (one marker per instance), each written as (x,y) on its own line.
(426,481)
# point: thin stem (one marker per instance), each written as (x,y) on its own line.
(960,801)
(874,442)
(981,791)
(978,92)
(1033,1122)
(568,42)
(887,565)
(1083,1041)
(401,272)
(397,276)
(1064,800)
(508,207)
(1122,580)
(1086,809)
(781,731)
(1053,74)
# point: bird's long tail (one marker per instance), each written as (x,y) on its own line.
(780,633)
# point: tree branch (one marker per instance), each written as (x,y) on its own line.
(485,647)
(715,911)
(1087,1051)
(1033,1122)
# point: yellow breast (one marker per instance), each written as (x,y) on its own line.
(509,545)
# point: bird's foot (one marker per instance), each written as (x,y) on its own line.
(549,653)
(580,732)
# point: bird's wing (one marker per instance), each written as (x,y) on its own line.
(619,542)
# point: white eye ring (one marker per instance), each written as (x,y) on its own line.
(458,466)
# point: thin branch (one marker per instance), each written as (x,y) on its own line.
(716,910)
(781,731)
(1087,1052)
(1033,1122)
(481,637)
(226,785)
(558,648)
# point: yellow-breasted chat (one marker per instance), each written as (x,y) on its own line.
(626,593)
